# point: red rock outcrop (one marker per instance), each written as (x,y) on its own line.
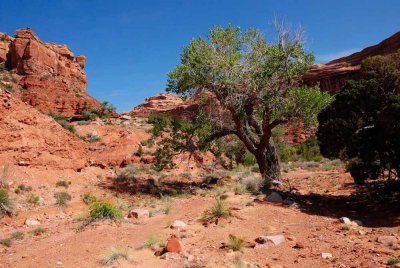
(52,77)
(165,102)
(333,75)
(30,138)
(5,41)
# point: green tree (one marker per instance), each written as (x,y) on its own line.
(361,126)
(248,87)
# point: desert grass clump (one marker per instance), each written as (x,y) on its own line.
(239,188)
(393,261)
(33,200)
(89,198)
(127,174)
(6,242)
(6,206)
(63,183)
(151,242)
(218,210)
(62,198)
(23,188)
(253,184)
(112,255)
(18,235)
(235,243)
(38,231)
(104,210)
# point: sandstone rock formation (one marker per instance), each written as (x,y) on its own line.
(30,138)
(52,78)
(165,102)
(333,75)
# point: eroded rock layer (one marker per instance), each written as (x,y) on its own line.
(52,78)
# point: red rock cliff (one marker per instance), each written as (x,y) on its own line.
(52,78)
(333,75)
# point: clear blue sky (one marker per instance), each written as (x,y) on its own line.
(132,45)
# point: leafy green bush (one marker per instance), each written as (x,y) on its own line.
(62,198)
(105,110)
(63,121)
(104,210)
(5,203)
(89,198)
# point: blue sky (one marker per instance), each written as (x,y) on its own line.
(131,45)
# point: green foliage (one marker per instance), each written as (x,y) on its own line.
(160,121)
(63,121)
(105,110)
(127,174)
(23,188)
(62,198)
(235,243)
(393,261)
(361,126)
(104,210)
(6,242)
(139,151)
(218,210)
(151,241)
(33,199)
(18,235)
(113,254)
(306,151)
(63,183)
(89,198)
(38,231)
(5,203)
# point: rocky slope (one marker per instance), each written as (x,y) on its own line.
(333,74)
(30,138)
(52,78)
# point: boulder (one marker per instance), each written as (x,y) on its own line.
(178,224)
(139,213)
(270,239)
(326,255)
(345,220)
(274,197)
(31,222)
(174,245)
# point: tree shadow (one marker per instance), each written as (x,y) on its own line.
(375,205)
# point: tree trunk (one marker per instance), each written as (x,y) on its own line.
(268,163)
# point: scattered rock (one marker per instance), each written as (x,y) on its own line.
(387,240)
(178,224)
(174,245)
(345,220)
(32,222)
(326,256)
(170,256)
(270,239)
(274,197)
(139,213)
(299,245)
(357,223)
(126,117)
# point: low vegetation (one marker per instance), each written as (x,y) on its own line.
(151,242)
(112,255)
(63,183)
(104,210)
(39,231)
(6,206)
(62,198)
(218,210)
(235,243)
(6,242)
(105,110)
(89,198)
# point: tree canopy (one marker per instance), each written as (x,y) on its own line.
(361,126)
(248,87)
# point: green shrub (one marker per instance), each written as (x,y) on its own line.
(218,210)
(393,261)
(239,188)
(18,235)
(104,210)
(5,203)
(139,151)
(63,183)
(23,187)
(151,241)
(62,198)
(39,231)
(235,243)
(92,137)
(63,121)
(33,199)
(6,242)
(127,174)
(113,254)
(89,198)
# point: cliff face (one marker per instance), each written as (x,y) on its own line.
(333,75)
(52,78)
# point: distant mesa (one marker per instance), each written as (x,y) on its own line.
(333,75)
(53,79)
